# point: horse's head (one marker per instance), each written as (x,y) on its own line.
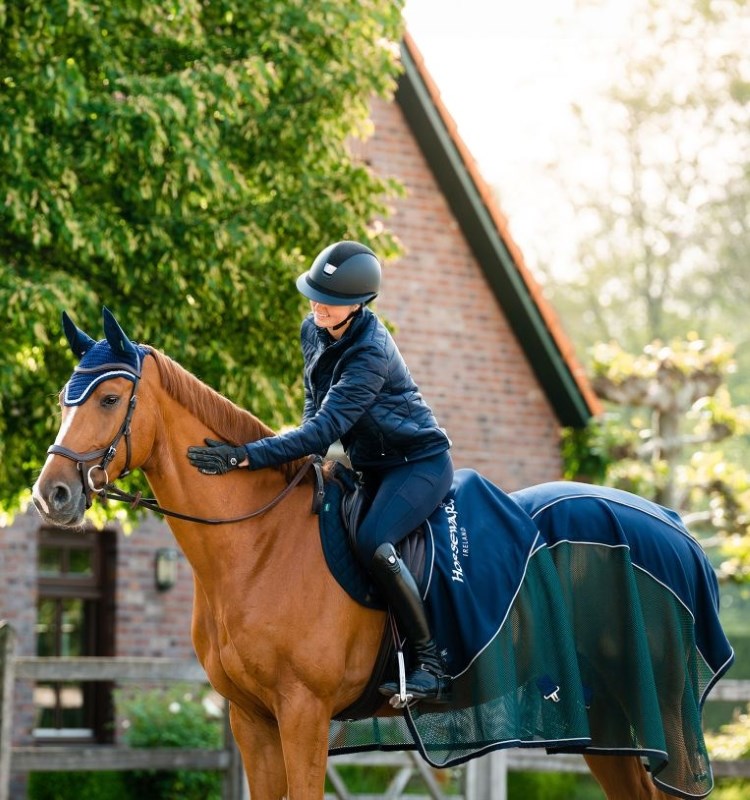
(98,404)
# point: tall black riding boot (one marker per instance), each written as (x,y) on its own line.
(426,680)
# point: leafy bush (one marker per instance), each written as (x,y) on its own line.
(77,786)
(552,786)
(371,779)
(179,716)
(730,789)
(732,742)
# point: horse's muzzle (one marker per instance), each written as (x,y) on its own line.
(59,503)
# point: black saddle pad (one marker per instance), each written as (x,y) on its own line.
(342,562)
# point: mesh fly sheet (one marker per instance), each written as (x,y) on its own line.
(608,643)
(644,604)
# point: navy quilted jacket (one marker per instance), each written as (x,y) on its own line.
(359,390)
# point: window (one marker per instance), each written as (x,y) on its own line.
(74,618)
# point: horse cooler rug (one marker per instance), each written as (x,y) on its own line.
(572,617)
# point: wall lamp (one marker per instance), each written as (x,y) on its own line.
(165,568)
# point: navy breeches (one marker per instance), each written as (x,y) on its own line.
(402,499)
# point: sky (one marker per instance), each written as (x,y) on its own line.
(508,73)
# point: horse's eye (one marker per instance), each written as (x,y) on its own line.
(110,401)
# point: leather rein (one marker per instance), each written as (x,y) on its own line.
(108,490)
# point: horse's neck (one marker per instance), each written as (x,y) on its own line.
(217,549)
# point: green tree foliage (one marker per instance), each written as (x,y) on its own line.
(669,436)
(733,741)
(663,220)
(665,231)
(663,241)
(180,163)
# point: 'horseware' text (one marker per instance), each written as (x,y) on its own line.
(457,573)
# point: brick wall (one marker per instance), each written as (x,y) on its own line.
(150,622)
(466,360)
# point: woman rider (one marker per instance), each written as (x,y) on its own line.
(358,389)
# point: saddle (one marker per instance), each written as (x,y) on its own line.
(354,505)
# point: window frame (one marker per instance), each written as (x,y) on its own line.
(97,592)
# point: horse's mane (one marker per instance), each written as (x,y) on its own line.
(231,423)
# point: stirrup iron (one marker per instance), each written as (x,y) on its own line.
(403,698)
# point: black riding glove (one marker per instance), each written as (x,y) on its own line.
(216,459)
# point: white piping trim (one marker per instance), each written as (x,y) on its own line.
(105,376)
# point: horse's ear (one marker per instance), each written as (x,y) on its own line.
(114,334)
(80,342)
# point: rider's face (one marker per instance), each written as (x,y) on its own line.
(329,316)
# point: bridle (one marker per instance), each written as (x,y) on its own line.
(108,490)
(107,453)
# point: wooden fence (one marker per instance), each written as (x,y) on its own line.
(105,757)
(483,779)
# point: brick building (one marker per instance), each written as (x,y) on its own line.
(481,341)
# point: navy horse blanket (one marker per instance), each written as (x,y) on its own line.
(573,617)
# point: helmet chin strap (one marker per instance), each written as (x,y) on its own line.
(346,319)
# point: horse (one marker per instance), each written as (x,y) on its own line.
(276,634)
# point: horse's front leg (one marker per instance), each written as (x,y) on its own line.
(304,721)
(259,744)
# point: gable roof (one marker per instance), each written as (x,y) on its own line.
(485,228)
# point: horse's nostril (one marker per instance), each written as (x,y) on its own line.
(59,497)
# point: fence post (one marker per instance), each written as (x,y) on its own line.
(7,679)
(486,778)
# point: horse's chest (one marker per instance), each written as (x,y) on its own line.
(247,663)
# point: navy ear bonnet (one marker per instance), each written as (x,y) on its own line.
(115,356)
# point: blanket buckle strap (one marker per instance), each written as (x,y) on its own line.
(550,689)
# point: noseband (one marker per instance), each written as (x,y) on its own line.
(107,453)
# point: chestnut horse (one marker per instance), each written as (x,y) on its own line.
(276,634)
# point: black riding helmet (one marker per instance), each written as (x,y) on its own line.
(343,274)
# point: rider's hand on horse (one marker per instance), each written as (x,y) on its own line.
(218,457)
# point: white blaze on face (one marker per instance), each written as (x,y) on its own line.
(67,422)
